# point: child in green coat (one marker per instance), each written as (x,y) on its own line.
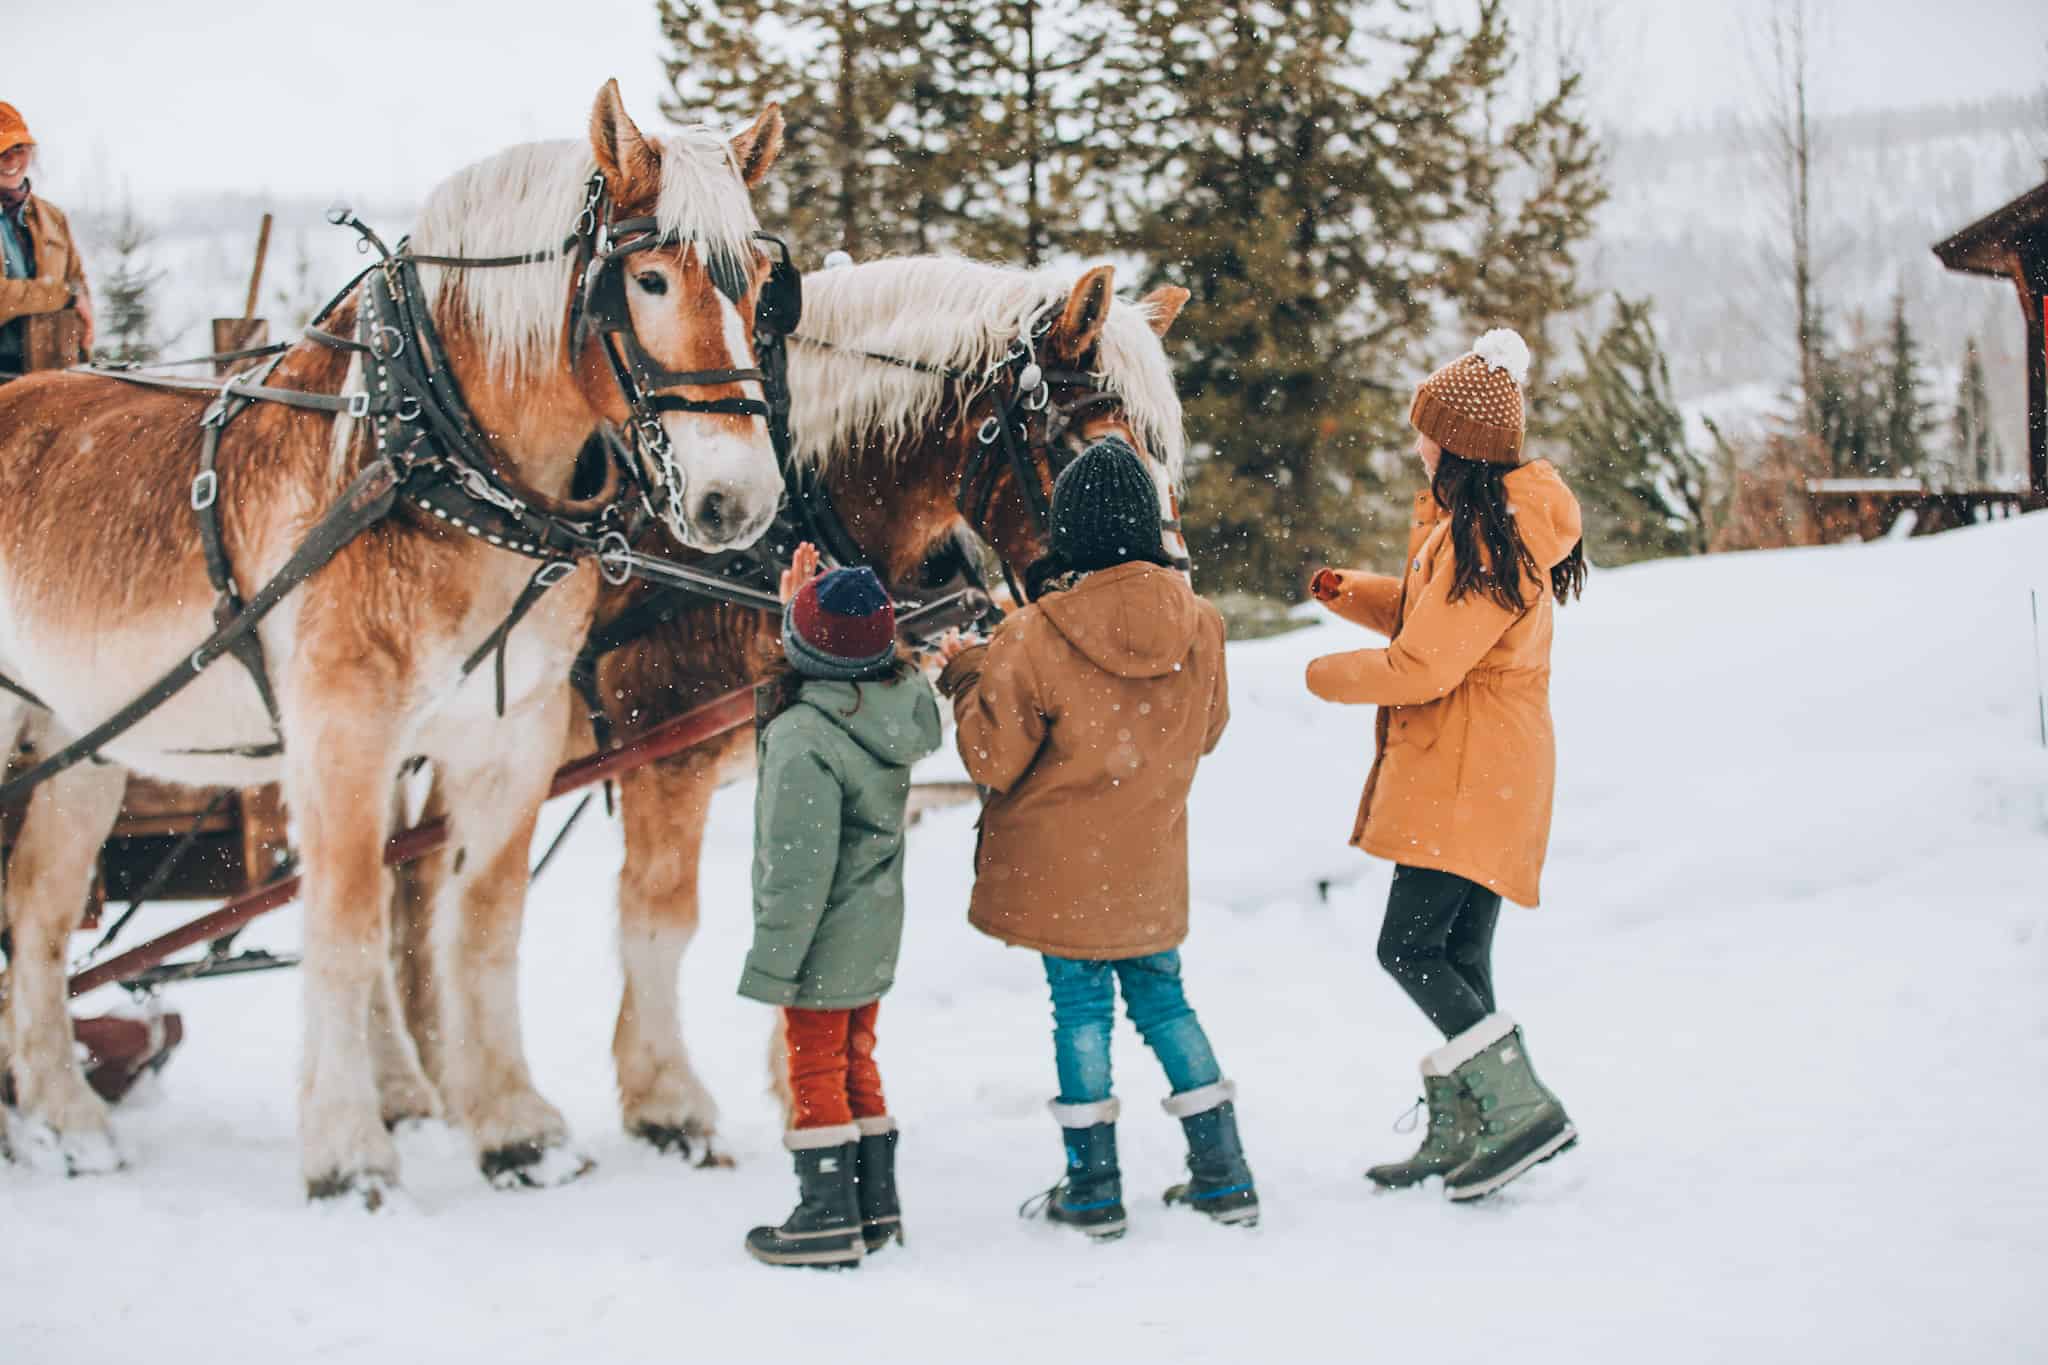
(845,720)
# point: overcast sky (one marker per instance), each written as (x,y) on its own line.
(380,98)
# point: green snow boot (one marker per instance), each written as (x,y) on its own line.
(1219,1182)
(1446,1144)
(825,1228)
(1090,1197)
(881,1212)
(1521,1124)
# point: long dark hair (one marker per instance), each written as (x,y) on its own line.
(1484,536)
(781,684)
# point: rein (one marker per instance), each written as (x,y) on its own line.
(429,451)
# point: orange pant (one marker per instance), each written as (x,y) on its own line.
(832,1071)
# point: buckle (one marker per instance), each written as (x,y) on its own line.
(205,490)
(554,572)
(359,404)
(614,557)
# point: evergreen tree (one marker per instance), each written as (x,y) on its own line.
(1535,196)
(1907,416)
(1037,91)
(127,320)
(1647,491)
(1848,406)
(1318,175)
(1976,457)
(860,168)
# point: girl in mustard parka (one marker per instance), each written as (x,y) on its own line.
(1460,791)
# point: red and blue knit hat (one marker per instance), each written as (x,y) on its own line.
(840,625)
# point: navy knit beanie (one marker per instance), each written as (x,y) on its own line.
(840,625)
(1105,509)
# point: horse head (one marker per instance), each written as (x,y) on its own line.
(636,318)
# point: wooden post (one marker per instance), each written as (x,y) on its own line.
(265,843)
(239,334)
(256,275)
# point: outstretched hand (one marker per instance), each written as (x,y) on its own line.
(952,645)
(803,567)
(1324,587)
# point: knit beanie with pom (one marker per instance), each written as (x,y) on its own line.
(1105,509)
(1472,407)
(840,626)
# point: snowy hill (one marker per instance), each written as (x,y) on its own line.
(1788,976)
(1695,222)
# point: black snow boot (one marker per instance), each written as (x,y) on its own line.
(1219,1182)
(1446,1144)
(824,1229)
(881,1213)
(1091,1195)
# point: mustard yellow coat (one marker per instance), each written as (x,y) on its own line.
(1464,761)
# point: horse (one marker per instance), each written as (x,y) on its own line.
(898,374)
(106,552)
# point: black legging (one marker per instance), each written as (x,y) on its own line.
(1437,941)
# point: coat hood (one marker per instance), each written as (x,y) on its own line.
(897,721)
(1546,513)
(1135,620)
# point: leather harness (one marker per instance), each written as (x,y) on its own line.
(429,451)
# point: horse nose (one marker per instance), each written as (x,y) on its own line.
(711,512)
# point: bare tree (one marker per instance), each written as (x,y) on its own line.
(1784,65)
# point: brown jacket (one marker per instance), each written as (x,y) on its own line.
(1086,716)
(59,270)
(1464,760)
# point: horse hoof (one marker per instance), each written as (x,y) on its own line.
(530,1166)
(43,1148)
(368,1190)
(690,1143)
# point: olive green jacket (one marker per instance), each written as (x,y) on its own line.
(828,841)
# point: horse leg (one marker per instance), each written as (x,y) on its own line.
(404,1093)
(494,793)
(340,763)
(660,1097)
(411,1003)
(64,1125)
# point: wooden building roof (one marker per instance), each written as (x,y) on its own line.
(1997,243)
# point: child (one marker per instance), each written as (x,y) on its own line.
(843,722)
(1085,716)
(1460,791)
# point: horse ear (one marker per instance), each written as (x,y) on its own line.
(1162,306)
(631,164)
(1080,324)
(756,149)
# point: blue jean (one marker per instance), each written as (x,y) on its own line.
(1084,1015)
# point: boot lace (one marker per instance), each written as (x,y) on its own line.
(1037,1204)
(1411,1118)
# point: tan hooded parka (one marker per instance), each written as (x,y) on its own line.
(1086,716)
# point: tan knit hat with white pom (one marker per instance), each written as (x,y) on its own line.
(1473,406)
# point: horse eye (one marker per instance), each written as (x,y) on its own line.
(652,282)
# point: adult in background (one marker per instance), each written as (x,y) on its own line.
(1085,716)
(40,271)
(1460,791)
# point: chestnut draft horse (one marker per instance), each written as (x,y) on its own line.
(898,374)
(104,581)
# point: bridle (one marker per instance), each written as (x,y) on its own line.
(1032,432)
(600,248)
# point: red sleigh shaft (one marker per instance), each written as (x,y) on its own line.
(714,718)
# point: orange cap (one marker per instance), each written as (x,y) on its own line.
(13,129)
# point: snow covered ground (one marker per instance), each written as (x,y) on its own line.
(1789,977)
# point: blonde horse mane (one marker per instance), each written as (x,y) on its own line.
(528,198)
(960,315)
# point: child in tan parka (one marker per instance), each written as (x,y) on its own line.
(1459,797)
